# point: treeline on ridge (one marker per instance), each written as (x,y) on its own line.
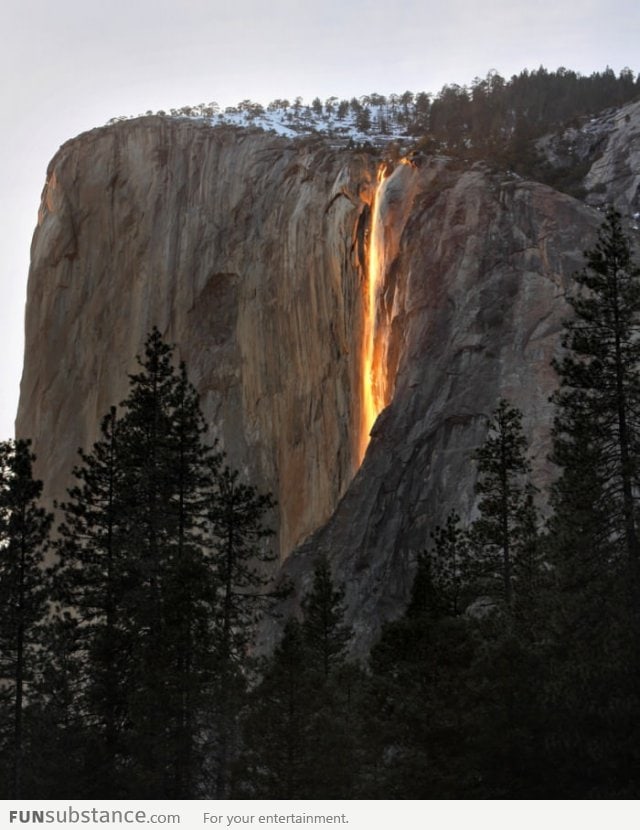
(493,118)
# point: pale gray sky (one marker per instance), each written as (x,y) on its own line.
(70,65)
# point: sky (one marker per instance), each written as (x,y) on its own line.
(71,65)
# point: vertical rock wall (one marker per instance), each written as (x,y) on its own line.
(242,249)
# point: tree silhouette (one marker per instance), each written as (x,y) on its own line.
(24,529)
(502,533)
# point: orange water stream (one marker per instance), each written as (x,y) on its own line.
(373,372)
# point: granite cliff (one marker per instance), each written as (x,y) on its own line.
(241,248)
(251,252)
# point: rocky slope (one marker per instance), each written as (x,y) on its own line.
(248,250)
(605,152)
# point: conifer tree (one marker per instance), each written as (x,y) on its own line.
(91,578)
(161,551)
(331,728)
(419,714)
(597,424)
(168,471)
(274,762)
(299,726)
(70,754)
(450,568)
(24,529)
(593,538)
(505,539)
(136,570)
(502,535)
(237,514)
(240,555)
(325,633)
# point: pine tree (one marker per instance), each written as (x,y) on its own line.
(136,570)
(324,631)
(597,425)
(70,748)
(331,728)
(167,475)
(24,529)
(505,539)
(240,556)
(237,514)
(299,726)
(274,762)
(450,567)
(162,552)
(502,535)
(593,538)
(91,579)
(419,713)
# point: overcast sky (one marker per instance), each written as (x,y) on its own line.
(70,65)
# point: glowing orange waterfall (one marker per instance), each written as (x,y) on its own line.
(373,372)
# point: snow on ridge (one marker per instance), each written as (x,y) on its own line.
(303,122)
(349,122)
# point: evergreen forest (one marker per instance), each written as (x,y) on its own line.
(126,667)
(495,119)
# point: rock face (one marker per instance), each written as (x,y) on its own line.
(615,175)
(479,285)
(249,252)
(242,249)
(606,152)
